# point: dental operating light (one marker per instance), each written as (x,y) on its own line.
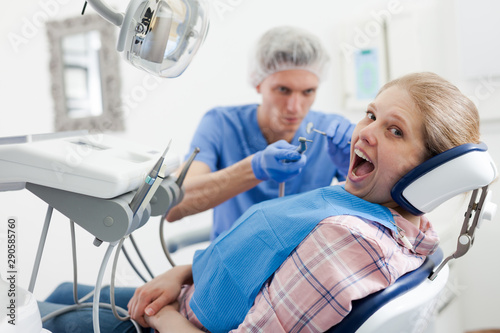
(159,36)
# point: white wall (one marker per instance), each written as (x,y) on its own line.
(217,76)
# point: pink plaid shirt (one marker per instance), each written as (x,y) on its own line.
(343,259)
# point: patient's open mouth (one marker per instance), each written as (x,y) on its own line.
(362,165)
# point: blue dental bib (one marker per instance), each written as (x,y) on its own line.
(229,274)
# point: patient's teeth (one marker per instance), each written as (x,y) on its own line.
(360,154)
(362,168)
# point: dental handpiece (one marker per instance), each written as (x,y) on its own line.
(300,149)
(151,179)
(302,145)
(184,171)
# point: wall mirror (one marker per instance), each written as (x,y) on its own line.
(84,67)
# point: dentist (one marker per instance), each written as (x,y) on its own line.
(248,150)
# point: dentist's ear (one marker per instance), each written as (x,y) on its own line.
(258,88)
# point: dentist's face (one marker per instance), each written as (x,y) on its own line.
(287,97)
(385,145)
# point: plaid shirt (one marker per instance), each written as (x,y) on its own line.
(343,259)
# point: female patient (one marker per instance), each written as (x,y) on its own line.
(344,257)
(297,263)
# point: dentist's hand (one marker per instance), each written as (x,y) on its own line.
(279,161)
(339,135)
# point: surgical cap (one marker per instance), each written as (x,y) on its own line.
(285,48)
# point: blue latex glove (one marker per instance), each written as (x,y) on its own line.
(339,135)
(280,161)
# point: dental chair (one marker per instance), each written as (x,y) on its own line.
(406,306)
(409,305)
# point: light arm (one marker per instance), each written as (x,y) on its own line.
(107,12)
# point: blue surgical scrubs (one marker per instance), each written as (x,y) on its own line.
(226,135)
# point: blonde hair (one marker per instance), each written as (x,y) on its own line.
(450,118)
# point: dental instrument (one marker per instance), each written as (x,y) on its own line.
(182,175)
(159,36)
(150,184)
(179,182)
(300,149)
(173,199)
(302,145)
(310,128)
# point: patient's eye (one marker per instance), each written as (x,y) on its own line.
(370,115)
(396,132)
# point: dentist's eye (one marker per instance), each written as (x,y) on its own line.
(283,90)
(309,92)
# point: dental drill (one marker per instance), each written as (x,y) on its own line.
(300,149)
(151,183)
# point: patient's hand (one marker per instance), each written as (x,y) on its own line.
(168,319)
(157,293)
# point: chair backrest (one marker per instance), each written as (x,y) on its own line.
(386,310)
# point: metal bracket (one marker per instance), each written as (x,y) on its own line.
(483,209)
